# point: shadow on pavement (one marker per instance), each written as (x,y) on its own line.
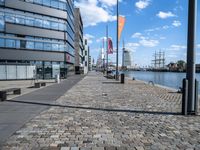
(98,109)
(111,82)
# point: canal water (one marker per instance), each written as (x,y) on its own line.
(169,79)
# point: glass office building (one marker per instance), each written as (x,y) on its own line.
(36,38)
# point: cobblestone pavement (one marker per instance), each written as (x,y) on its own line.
(130,116)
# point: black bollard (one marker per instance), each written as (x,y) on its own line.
(122,78)
(185,97)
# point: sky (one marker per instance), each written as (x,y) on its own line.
(151,25)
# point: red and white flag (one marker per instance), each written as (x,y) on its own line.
(110,46)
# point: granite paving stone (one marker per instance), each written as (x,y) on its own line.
(97,115)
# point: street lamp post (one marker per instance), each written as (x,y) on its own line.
(117,40)
(191,55)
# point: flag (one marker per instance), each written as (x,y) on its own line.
(110,46)
(120,26)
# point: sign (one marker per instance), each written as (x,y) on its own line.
(110,46)
(121,22)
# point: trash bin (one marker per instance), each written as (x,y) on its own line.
(122,78)
(57,78)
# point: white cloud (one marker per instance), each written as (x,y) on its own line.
(101,39)
(198,45)
(89,38)
(109,2)
(176,47)
(165,27)
(137,35)
(132,46)
(149,43)
(164,15)
(172,56)
(92,13)
(142,4)
(176,23)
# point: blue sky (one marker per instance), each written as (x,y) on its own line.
(151,25)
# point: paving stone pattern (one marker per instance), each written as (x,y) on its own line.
(147,120)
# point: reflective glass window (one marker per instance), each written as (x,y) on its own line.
(2,22)
(54,4)
(9,17)
(38,1)
(61,47)
(10,43)
(29,1)
(19,19)
(54,25)
(30,45)
(46,2)
(22,44)
(47,46)
(62,6)
(38,22)
(29,21)
(17,42)
(61,26)
(46,24)
(2,2)
(55,47)
(39,45)
(2,42)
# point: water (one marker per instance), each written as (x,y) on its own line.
(169,79)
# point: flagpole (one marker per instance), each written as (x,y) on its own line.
(107,48)
(117,40)
(123,54)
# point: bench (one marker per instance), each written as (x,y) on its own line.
(39,84)
(3,93)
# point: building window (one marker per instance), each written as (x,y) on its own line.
(46,2)
(54,25)
(38,1)
(55,47)
(47,46)
(20,19)
(2,2)
(38,45)
(38,23)
(9,17)
(46,24)
(54,4)
(62,27)
(2,42)
(29,45)
(10,43)
(17,42)
(2,22)
(29,21)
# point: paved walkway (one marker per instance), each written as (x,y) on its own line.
(100,114)
(16,112)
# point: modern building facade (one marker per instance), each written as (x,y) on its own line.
(78,45)
(86,57)
(36,38)
(127,58)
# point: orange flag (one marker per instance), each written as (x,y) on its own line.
(120,26)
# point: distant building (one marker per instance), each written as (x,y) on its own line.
(172,66)
(127,58)
(90,63)
(86,57)
(78,42)
(198,68)
(36,38)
